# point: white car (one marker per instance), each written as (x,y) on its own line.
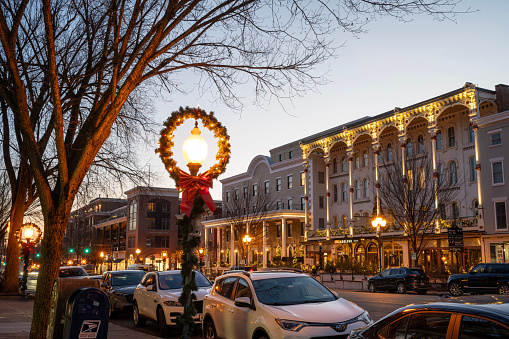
(276,305)
(156,299)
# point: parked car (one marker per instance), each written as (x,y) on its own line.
(156,299)
(72,272)
(401,280)
(441,320)
(243,268)
(483,278)
(143,267)
(120,286)
(277,304)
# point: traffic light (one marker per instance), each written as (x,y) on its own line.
(38,255)
(71,250)
(87,250)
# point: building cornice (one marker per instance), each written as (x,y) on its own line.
(492,119)
(273,215)
(152,191)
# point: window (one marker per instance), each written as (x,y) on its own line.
(245,192)
(473,171)
(500,215)
(357,160)
(267,187)
(473,327)
(279,205)
(320,202)
(278,184)
(278,230)
(280,157)
(495,139)
(471,134)
(255,190)
(166,207)
(290,154)
(441,209)
(343,192)
(151,207)
(440,170)
(344,221)
(302,203)
(439,140)
(148,241)
(131,242)
(334,165)
(453,175)
(289,227)
(321,222)
(357,189)
(344,167)
(389,152)
(236,194)
(302,178)
(132,215)
(151,223)
(450,137)
(365,185)
(422,177)
(321,177)
(336,222)
(335,193)
(228,196)
(428,325)
(166,223)
(410,178)
(290,203)
(290,182)
(225,287)
(475,207)
(497,171)
(420,144)
(409,149)
(365,158)
(455,210)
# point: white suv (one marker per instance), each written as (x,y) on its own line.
(156,299)
(277,304)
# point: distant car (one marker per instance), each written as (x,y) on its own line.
(483,278)
(277,304)
(243,268)
(441,321)
(401,280)
(143,267)
(156,299)
(72,272)
(120,286)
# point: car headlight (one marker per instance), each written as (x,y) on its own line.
(172,303)
(364,317)
(291,325)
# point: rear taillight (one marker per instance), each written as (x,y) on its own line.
(413,275)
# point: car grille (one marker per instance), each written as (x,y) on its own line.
(341,336)
(199,306)
(129,298)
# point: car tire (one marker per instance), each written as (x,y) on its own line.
(401,288)
(210,330)
(455,289)
(422,292)
(113,314)
(372,287)
(503,289)
(263,336)
(139,321)
(164,331)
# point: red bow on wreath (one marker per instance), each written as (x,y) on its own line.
(27,248)
(191,184)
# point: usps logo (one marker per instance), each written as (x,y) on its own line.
(89,329)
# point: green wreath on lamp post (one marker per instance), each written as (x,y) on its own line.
(195,191)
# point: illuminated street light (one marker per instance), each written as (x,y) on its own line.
(247,240)
(378,223)
(138,251)
(195,150)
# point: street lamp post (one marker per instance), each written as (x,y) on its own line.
(102,262)
(378,223)
(200,255)
(320,255)
(138,251)
(24,236)
(247,240)
(164,254)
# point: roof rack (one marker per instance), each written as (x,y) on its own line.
(236,271)
(275,269)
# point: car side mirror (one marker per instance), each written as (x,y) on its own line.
(335,293)
(243,302)
(152,288)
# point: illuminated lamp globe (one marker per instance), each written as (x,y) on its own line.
(195,150)
(29,232)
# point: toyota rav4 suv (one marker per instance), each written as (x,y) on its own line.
(277,305)
(483,278)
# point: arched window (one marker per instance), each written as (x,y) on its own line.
(473,171)
(450,137)
(365,158)
(389,152)
(455,210)
(357,189)
(343,192)
(475,207)
(441,210)
(335,193)
(453,175)
(344,167)
(409,150)
(132,215)
(344,221)
(357,160)
(420,144)
(366,219)
(439,139)
(365,185)
(471,135)
(422,178)
(336,222)
(440,170)
(335,165)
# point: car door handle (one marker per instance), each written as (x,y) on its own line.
(230,310)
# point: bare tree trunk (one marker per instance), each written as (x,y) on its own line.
(11,276)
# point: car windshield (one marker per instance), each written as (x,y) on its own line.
(127,278)
(72,272)
(291,291)
(174,281)
(417,272)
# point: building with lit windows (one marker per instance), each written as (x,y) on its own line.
(340,172)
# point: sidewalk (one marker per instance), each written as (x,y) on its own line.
(16,319)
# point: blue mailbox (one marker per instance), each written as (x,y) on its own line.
(87,314)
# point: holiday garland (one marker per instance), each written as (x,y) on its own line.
(166,143)
(37,229)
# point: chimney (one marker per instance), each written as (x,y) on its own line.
(502,92)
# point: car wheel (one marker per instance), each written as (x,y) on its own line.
(372,287)
(161,322)
(401,289)
(455,289)
(139,321)
(503,289)
(263,336)
(210,331)
(113,314)
(422,292)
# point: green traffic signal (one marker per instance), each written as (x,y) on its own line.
(87,250)
(71,250)
(38,255)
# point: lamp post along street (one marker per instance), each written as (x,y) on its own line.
(24,235)
(320,255)
(378,223)
(138,251)
(247,240)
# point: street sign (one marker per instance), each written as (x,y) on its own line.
(455,236)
